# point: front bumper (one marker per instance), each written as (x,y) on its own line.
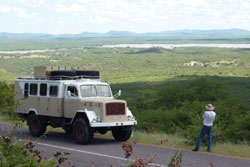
(113,124)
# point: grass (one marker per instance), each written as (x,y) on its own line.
(174,141)
(7,76)
(179,142)
(228,148)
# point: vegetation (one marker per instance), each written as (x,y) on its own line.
(179,142)
(75,42)
(179,110)
(176,160)
(140,162)
(14,152)
(7,99)
(166,89)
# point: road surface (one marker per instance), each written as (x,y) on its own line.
(107,152)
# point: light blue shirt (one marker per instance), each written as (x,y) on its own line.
(208,118)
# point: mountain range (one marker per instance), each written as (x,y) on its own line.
(173,33)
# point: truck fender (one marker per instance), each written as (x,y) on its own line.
(32,110)
(90,115)
(130,116)
(129,112)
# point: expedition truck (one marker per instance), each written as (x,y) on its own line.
(74,99)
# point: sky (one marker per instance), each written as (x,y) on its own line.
(76,16)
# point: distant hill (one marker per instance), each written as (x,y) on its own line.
(175,33)
(24,35)
(224,32)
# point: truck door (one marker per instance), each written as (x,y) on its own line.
(54,102)
(72,101)
(43,99)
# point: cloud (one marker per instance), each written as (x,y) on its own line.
(135,15)
(5,9)
(160,14)
(20,12)
(69,8)
(28,3)
(99,19)
(64,22)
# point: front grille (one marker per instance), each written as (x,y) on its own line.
(115,109)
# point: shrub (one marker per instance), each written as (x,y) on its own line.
(7,100)
(241,130)
(203,89)
(179,109)
(176,160)
(171,97)
(13,153)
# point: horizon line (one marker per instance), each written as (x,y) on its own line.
(125,31)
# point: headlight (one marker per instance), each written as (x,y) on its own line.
(129,118)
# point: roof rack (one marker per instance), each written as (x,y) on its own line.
(63,73)
(64,77)
(61,77)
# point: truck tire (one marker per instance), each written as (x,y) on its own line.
(121,134)
(64,74)
(88,74)
(68,130)
(36,126)
(82,132)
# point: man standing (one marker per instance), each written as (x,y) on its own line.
(208,119)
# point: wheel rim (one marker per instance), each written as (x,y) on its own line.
(80,132)
(34,124)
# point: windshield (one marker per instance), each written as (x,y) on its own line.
(95,90)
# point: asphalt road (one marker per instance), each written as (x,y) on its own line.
(107,152)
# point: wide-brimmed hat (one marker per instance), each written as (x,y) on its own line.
(210,107)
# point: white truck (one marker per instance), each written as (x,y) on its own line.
(76,100)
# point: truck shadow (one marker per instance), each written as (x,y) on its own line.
(54,137)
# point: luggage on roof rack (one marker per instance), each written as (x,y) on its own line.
(64,73)
(73,74)
(88,74)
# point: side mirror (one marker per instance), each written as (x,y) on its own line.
(118,94)
(69,93)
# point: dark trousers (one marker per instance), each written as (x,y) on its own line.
(205,130)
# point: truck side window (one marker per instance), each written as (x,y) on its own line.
(53,90)
(26,89)
(43,89)
(33,89)
(73,91)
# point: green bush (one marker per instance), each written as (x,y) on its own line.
(241,130)
(171,97)
(7,100)
(203,89)
(14,153)
(6,94)
(179,109)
